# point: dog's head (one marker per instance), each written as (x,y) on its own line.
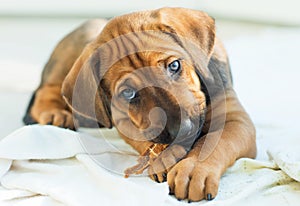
(145,73)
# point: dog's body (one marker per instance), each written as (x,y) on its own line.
(118,73)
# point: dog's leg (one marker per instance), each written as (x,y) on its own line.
(197,176)
(166,157)
(48,106)
(163,160)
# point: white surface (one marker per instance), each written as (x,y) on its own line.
(62,167)
(53,165)
(278,12)
(85,7)
(266,75)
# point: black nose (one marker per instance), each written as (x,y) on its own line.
(176,133)
(184,129)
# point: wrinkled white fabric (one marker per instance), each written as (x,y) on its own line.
(46,165)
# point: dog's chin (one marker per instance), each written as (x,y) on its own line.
(166,137)
(186,141)
(160,136)
(163,140)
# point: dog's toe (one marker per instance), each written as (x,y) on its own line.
(157,172)
(57,117)
(159,168)
(194,180)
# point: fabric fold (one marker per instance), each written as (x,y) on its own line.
(46,165)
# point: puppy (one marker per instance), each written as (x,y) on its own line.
(159,76)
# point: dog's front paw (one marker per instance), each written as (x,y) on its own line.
(160,166)
(57,117)
(194,180)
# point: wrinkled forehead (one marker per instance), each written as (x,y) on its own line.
(135,73)
(147,44)
(131,51)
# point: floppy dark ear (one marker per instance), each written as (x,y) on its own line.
(196,30)
(82,91)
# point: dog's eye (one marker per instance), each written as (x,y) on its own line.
(129,94)
(174,67)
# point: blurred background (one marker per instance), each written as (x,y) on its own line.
(261,36)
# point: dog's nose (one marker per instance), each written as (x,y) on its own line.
(186,127)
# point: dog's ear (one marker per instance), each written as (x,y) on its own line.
(82,91)
(196,31)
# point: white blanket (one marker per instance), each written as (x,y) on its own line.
(46,165)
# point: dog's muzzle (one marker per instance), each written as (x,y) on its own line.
(185,136)
(183,131)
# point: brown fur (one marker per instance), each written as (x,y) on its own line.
(228,134)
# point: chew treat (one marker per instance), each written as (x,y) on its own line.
(144,159)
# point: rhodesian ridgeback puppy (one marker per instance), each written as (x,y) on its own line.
(159,77)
